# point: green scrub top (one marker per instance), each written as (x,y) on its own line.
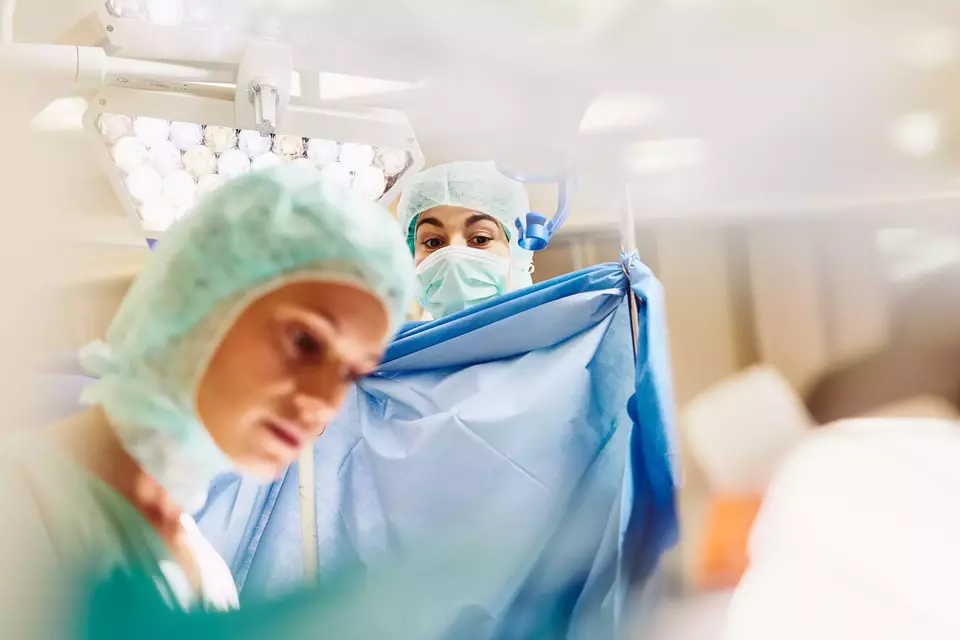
(75,522)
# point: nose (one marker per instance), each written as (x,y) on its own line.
(314,413)
(457,240)
(318,396)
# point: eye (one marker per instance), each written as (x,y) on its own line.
(305,345)
(433,243)
(482,241)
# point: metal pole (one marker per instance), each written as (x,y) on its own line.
(7,9)
(628,243)
(308,515)
(628,227)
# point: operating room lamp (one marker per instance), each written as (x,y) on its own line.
(166,133)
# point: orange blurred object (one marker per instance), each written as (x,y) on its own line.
(723,559)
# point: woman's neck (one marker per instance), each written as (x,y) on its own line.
(89,438)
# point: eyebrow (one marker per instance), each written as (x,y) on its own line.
(314,318)
(481,217)
(431,221)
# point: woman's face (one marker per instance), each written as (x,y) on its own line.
(283,369)
(456,226)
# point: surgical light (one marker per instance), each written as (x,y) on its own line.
(185,135)
(114,126)
(288,147)
(265,161)
(145,184)
(356,156)
(233,163)
(322,152)
(179,147)
(151,131)
(220,139)
(129,153)
(253,143)
(157,215)
(209,183)
(337,173)
(180,190)
(165,158)
(369,182)
(200,161)
(391,161)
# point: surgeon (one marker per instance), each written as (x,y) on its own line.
(459,220)
(232,350)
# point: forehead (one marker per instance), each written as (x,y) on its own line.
(352,310)
(454,217)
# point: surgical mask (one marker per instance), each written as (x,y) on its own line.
(455,278)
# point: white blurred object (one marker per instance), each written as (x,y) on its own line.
(933,48)
(740,429)
(336,173)
(168,13)
(917,407)
(165,158)
(663,156)
(180,190)
(857,537)
(917,134)
(265,161)
(114,126)
(369,182)
(220,139)
(125,8)
(129,153)
(392,161)
(144,184)
(322,152)
(158,215)
(253,144)
(233,163)
(356,156)
(151,131)
(620,110)
(186,135)
(200,161)
(289,147)
(209,183)
(695,617)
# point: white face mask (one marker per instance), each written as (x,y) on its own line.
(455,278)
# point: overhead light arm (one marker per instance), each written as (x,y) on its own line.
(262,86)
(92,67)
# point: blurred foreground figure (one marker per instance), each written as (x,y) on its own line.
(232,350)
(857,537)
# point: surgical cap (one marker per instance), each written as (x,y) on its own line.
(473,185)
(252,236)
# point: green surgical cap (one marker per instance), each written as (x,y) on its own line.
(473,185)
(251,236)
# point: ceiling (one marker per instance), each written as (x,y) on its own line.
(706,108)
